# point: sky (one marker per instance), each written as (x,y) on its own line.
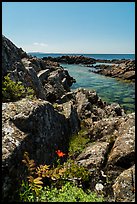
(70,27)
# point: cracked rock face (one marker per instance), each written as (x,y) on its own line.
(124,186)
(123,151)
(113,153)
(36,127)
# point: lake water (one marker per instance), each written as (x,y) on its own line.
(109,89)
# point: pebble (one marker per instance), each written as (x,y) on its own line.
(99,187)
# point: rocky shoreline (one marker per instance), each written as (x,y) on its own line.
(123,69)
(45,124)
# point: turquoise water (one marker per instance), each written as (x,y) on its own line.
(96,56)
(104,63)
(109,89)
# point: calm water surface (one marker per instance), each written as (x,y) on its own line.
(95,56)
(109,89)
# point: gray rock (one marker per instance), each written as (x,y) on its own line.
(71,114)
(57,85)
(65,84)
(93,155)
(90,105)
(124,186)
(69,96)
(38,129)
(82,102)
(43,75)
(11,56)
(123,151)
(36,83)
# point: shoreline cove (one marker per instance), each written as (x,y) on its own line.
(108,88)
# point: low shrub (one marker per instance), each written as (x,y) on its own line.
(73,170)
(26,194)
(13,91)
(56,184)
(68,193)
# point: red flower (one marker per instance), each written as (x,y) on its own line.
(60,154)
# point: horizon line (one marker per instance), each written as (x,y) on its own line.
(80,53)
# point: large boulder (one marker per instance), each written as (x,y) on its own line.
(71,115)
(58,84)
(84,101)
(90,105)
(93,156)
(35,83)
(38,129)
(124,186)
(123,151)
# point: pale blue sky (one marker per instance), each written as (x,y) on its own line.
(70,27)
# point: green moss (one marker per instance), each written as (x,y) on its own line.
(78,142)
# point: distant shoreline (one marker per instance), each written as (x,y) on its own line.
(95,56)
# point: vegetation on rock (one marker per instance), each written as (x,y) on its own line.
(78,142)
(60,185)
(13,91)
